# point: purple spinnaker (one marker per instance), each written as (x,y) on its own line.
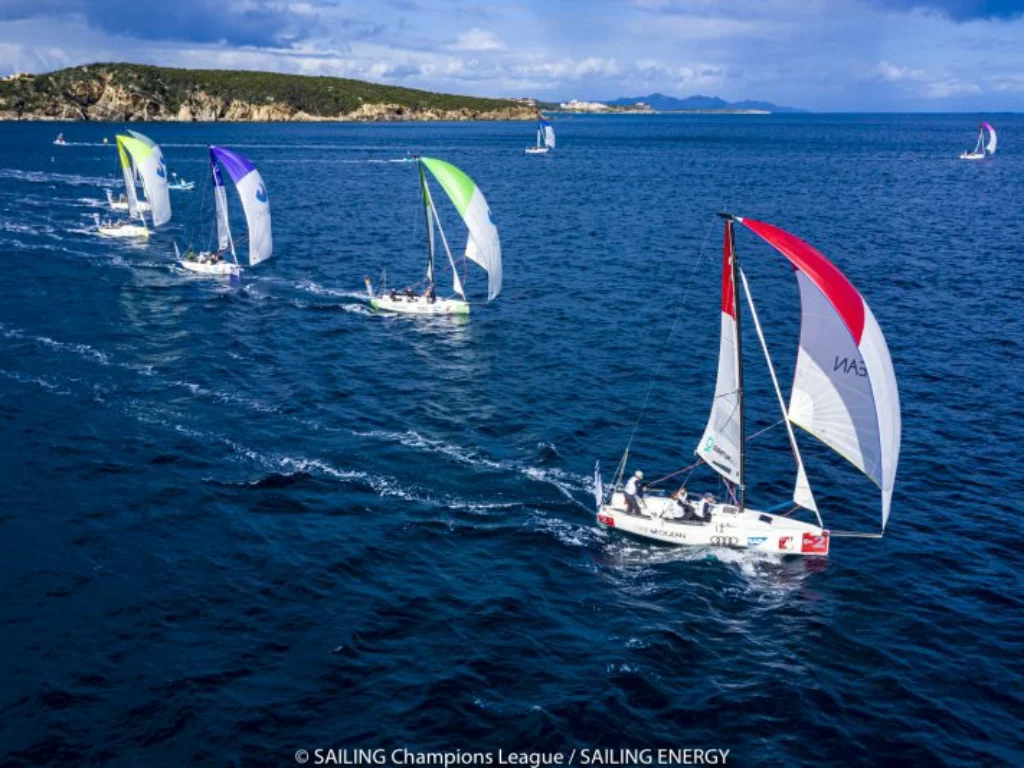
(237,166)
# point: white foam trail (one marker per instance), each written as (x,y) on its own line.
(41,177)
(315,288)
(229,398)
(570,534)
(564,482)
(46,384)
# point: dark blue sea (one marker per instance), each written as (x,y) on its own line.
(246,518)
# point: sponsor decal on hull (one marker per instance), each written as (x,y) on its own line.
(606,520)
(787,544)
(815,545)
(756,541)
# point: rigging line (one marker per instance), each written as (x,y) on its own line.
(672,331)
(762,431)
(677,472)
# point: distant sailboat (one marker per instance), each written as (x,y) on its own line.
(253,194)
(482,246)
(844,394)
(180,184)
(982,148)
(545,139)
(141,204)
(141,158)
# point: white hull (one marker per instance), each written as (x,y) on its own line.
(728,527)
(418,305)
(125,230)
(117,205)
(972,156)
(206,268)
(536,150)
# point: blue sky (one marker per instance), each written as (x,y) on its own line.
(882,55)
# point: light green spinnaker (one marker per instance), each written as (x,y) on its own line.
(484,245)
(149,162)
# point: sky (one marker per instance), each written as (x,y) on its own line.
(824,55)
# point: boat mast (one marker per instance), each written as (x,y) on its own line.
(427,205)
(735,265)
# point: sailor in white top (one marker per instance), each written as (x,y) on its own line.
(633,493)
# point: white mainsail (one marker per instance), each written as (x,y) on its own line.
(128,172)
(721,445)
(549,136)
(220,198)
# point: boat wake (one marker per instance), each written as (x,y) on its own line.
(315,288)
(567,483)
(42,177)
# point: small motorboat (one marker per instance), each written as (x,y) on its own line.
(180,184)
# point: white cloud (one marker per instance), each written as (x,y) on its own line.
(477,39)
(895,74)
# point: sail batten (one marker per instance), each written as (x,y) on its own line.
(844,386)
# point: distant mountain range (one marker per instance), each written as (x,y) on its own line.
(663,103)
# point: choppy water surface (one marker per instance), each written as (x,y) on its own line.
(245,518)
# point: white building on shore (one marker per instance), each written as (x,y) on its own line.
(584,106)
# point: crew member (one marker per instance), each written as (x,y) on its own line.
(634,492)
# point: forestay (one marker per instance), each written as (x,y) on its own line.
(255,203)
(844,387)
(149,163)
(720,447)
(484,245)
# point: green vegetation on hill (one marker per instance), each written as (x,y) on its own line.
(163,91)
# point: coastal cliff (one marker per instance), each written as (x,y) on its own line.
(132,92)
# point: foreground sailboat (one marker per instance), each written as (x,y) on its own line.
(253,194)
(983,148)
(545,139)
(844,394)
(482,246)
(140,157)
